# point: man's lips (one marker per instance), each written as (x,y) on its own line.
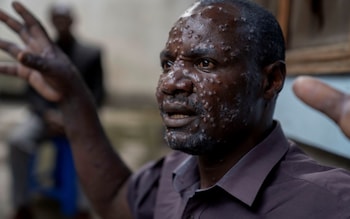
(177,114)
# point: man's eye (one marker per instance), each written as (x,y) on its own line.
(205,65)
(166,65)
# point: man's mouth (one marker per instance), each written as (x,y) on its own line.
(176,114)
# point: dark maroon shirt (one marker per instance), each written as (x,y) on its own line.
(274,180)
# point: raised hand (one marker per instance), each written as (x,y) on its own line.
(40,62)
(101,171)
(334,103)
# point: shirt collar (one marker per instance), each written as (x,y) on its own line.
(245,179)
(186,174)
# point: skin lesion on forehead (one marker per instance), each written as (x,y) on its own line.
(212,11)
(216,18)
(190,10)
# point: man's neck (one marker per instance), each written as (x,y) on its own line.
(213,167)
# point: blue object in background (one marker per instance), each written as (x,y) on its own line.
(64,188)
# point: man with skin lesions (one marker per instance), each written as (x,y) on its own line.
(223,68)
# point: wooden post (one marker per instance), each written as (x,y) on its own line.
(283,16)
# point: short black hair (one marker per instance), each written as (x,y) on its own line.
(263,31)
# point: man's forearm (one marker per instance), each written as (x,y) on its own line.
(100,169)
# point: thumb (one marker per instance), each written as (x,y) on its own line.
(319,96)
(326,99)
(38,83)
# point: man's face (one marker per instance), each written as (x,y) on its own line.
(205,96)
(62,23)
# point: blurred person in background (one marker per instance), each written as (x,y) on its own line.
(45,121)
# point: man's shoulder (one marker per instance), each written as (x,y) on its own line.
(302,186)
(301,171)
(332,181)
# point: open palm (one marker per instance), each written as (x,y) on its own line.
(40,62)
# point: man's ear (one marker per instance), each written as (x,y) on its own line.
(274,75)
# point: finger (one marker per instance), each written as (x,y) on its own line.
(344,121)
(10,22)
(15,70)
(23,72)
(39,84)
(30,20)
(8,69)
(333,103)
(34,78)
(14,25)
(10,48)
(319,96)
(28,17)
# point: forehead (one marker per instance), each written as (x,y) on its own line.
(212,11)
(212,22)
(212,15)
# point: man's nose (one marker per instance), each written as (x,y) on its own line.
(177,82)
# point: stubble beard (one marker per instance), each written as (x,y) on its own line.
(194,144)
